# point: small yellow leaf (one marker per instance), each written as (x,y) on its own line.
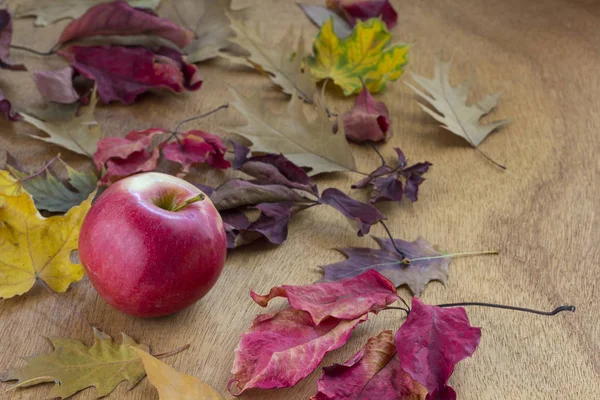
(172,384)
(364,56)
(33,247)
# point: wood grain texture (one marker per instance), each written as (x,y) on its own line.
(540,213)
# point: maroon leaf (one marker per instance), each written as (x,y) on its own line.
(119,18)
(365,9)
(7,110)
(239,193)
(126,156)
(368,120)
(282,348)
(372,373)
(123,73)
(427,263)
(240,154)
(431,342)
(56,85)
(361,215)
(387,184)
(6,30)
(347,299)
(197,147)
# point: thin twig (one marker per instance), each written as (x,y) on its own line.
(489,158)
(42,169)
(406,310)
(33,51)
(172,352)
(528,310)
(176,130)
(383,163)
(391,238)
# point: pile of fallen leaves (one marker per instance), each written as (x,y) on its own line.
(117,51)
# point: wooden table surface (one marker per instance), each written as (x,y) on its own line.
(540,213)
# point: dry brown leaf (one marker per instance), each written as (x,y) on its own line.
(306,143)
(451,105)
(172,384)
(282,61)
(49,11)
(79,134)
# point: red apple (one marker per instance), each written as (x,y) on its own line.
(152,244)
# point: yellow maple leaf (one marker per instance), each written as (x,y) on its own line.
(9,186)
(172,384)
(33,247)
(364,56)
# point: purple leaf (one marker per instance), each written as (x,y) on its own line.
(423,267)
(240,154)
(360,215)
(386,188)
(7,110)
(431,342)
(56,85)
(239,193)
(6,30)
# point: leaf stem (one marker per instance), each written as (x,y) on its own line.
(406,310)
(42,169)
(33,51)
(392,239)
(489,158)
(172,352)
(383,163)
(502,306)
(185,121)
(467,253)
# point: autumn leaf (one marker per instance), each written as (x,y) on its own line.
(372,373)
(51,194)
(56,85)
(126,156)
(354,10)
(305,143)
(361,216)
(451,105)
(119,18)
(122,73)
(49,11)
(195,147)
(73,366)
(282,348)
(386,181)
(238,193)
(368,120)
(172,384)
(212,29)
(427,263)
(79,134)
(347,299)
(6,30)
(319,15)
(272,169)
(35,247)
(283,61)
(9,186)
(6,108)
(431,342)
(363,57)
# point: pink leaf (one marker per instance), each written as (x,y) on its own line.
(374,373)
(123,73)
(369,120)
(365,9)
(347,299)
(126,156)
(56,85)
(119,18)
(7,110)
(197,147)
(431,342)
(282,348)
(6,30)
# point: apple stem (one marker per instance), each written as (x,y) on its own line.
(189,201)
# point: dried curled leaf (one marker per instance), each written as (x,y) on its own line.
(451,105)
(282,61)
(52,194)
(431,342)
(427,263)
(363,57)
(196,147)
(73,366)
(6,108)
(33,247)
(372,373)
(354,10)
(49,11)
(172,384)
(368,120)
(347,299)
(56,85)
(305,143)
(79,134)
(6,30)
